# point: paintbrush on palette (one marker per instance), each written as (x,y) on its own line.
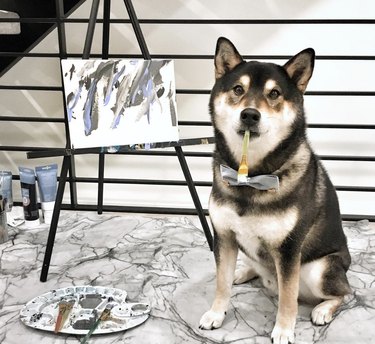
(106,315)
(243,170)
(65,308)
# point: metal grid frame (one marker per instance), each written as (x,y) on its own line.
(72,179)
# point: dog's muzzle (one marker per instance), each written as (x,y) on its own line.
(250,117)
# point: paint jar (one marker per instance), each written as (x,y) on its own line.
(6,189)
(3,222)
(29,197)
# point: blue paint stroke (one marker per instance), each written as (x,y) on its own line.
(150,99)
(111,83)
(172,106)
(116,121)
(139,82)
(148,94)
(148,87)
(133,94)
(121,100)
(88,109)
(72,100)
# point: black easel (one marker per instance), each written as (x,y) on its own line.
(68,154)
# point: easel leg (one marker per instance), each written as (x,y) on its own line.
(55,218)
(101,182)
(73,184)
(105,51)
(194,196)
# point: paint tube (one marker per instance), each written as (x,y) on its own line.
(47,183)
(6,189)
(29,199)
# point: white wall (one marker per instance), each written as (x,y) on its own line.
(327,39)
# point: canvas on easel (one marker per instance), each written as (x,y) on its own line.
(120,102)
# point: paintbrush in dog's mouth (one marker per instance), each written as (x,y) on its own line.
(243,170)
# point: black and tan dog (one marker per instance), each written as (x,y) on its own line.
(292,238)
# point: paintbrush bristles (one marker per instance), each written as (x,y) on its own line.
(243,170)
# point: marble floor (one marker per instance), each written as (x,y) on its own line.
(165,261)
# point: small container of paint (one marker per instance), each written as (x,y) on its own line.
(6,189)
(3,222)
(29,197)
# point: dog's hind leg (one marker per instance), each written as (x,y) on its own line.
(327,281)
(244,270)
(322,314)
(244,274)
(225,250)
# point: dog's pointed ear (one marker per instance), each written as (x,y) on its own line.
(300,68)
(226,57)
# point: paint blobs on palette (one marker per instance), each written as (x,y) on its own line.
(42,319)
(91,301)
(36,317)
(85,323)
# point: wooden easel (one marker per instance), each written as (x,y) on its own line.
(68,153)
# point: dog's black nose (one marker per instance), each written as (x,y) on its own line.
(250,117)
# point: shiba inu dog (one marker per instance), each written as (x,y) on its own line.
(292,238)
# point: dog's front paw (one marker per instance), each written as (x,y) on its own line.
(282,335)
(211,320)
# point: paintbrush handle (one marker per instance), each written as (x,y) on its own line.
(104,316)
(245,143)
(243,169)
(92,329)
(88,335)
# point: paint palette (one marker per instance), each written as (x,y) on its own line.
(88,303)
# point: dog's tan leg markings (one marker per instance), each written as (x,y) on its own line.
(288,284)
(322,314)
(226,252)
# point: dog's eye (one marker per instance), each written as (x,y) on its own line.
(238,90)
(274,94)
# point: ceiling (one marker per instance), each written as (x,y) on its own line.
(31,33)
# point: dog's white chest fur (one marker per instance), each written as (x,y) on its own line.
(252,232)
(251,229)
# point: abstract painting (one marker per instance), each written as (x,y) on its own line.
(120,102)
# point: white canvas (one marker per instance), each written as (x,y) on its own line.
(120,102)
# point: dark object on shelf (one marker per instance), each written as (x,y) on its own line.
(31,32)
